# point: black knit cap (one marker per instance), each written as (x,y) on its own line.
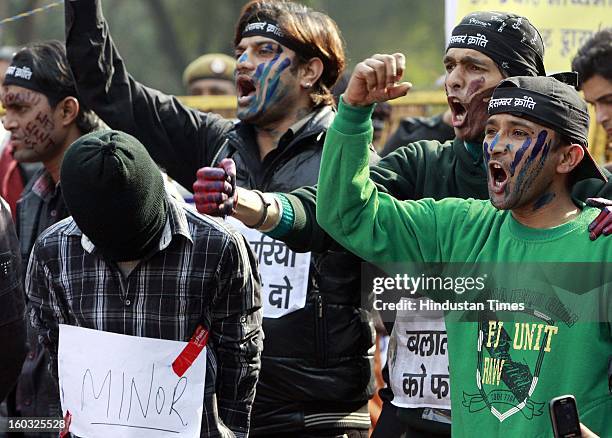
(115,193)
(553,103)
(510,40)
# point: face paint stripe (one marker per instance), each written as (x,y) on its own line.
(538,146)
(494,142)
(528,175)
(488,149)
(519,156)
(262,83)
(543,200)
(274,84)
(258,71)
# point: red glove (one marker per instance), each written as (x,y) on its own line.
(215,189)
(602,223)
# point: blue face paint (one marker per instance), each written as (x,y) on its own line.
(543,200)
(519,156)
(509,146)
(243,57)
(530,171)
(488,149)
(274,84)
(538,146)
(268,84)
(260,75)
(258,71)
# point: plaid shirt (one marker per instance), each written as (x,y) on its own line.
(202,273)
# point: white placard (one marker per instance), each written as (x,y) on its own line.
(418,359)
(284,273)
(124,386)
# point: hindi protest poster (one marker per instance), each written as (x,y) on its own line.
(565,25)
(284,273)
(124,386)
(418,358)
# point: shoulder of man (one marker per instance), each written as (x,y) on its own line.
(206,226)
(58,231)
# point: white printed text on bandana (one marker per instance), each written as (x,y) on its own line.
(478,40)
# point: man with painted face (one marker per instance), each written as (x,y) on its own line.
(316,376)
(485,47)
(44,115)
(535,149)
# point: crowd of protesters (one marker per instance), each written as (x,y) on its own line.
(290,201)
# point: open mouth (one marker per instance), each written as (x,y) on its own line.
(245,87)
(458,111)
(498,177)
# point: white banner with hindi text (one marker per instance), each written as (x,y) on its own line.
(418,359)
(284,273)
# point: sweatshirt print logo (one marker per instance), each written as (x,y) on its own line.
(508,369)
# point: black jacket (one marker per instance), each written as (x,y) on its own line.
(413,129)
(12,322)
(317,364)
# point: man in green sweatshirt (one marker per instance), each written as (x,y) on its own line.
(534,149)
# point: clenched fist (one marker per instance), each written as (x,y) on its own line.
(215,189)
(377,80)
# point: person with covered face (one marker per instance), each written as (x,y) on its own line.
(535,149)
(132,260)
(485,48)
(317,367)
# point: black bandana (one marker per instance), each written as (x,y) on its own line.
(23,74)
(266,27)
(508,39)
(551,103)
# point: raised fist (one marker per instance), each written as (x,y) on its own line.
(376,80)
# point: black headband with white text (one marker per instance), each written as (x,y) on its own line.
(261,26)
(510,40)
(545,110)
(23,75)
